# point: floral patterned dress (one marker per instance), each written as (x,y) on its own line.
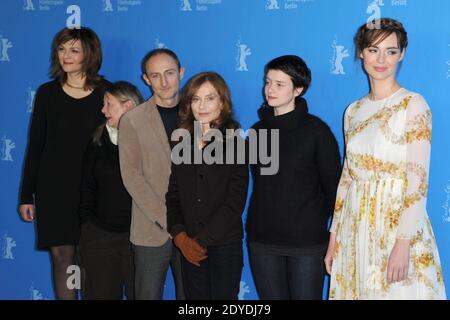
(381,197)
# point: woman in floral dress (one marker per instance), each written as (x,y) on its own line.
(381,242)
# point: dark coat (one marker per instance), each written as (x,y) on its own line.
(207,201)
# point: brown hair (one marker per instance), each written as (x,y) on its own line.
(92,50)
(226,119)
(369,35)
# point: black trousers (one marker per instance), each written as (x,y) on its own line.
(107,264)
(218,277)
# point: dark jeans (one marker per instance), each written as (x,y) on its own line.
(152,264)
(219,275)
(285,277)
(106,261)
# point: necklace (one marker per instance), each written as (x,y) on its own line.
(71,86)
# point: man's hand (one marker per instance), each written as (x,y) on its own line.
(191,250)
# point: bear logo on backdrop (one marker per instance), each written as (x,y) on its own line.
(8,244)
(42,5)
(30,99)
(120,5)
(243,290)
(272,5)
(6,146)
(287,5)
(339,54)
(243,52)
(448,67)
(199,5)
(35,294)
(448,71)
(107,6)
(446,204)
(159,44)
(28,5)
(185,5)
(5,45)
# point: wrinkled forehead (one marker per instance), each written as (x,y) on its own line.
(160,63)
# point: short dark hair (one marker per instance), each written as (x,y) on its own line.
(294,67)
(158,51)
(92,50)
(368,36)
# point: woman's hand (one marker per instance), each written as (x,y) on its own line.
(191,249)
(27,212)
(330,252)
(398,264)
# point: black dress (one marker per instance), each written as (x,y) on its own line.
(61,128)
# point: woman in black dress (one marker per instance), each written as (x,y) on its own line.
(205,200)
(66,112)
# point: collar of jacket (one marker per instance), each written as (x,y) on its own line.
(156,124)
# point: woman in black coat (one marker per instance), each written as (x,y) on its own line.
(66,113)
(207,194)
(289,210)
(105,251)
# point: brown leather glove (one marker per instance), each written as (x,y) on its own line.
(191,249)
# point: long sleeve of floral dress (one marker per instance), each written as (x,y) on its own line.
(417,162)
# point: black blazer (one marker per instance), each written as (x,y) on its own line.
(207,201)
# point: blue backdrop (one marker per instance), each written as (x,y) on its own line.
(235,38)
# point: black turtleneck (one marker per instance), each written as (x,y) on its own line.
(291,208)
